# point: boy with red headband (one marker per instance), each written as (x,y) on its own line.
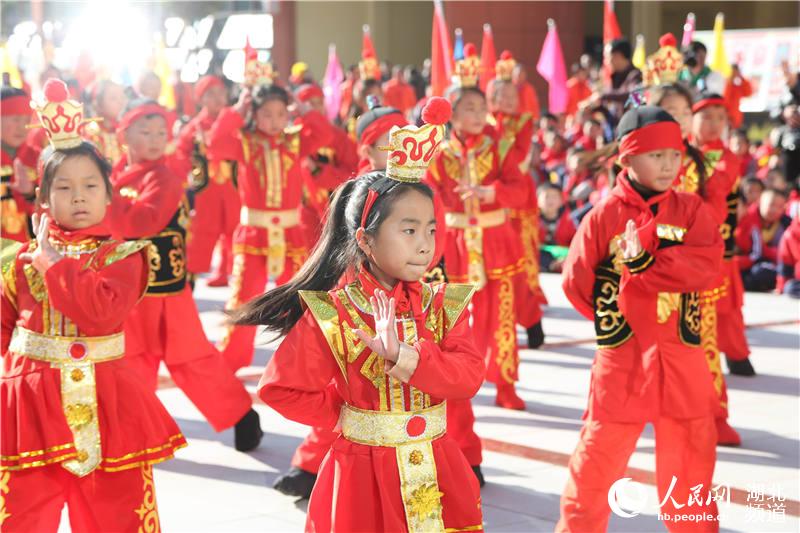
(723,299)
(216,201)
(634,268)
(16,174)
(331,166)
(165,326)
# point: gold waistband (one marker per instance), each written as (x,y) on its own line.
(392,429)
(487,219)
(269,219)
(55,349)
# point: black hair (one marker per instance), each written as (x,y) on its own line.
(548,186)
(456,93)
(263,94)
(52,158)
(697,46)
(656,97)
(621,46)
(336,251)
(548,116)
(778,192)
(741,132)
(10,92)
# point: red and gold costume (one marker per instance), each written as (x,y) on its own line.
(515,134)
(165,326)
(394,467)
(216,201)
(104,136)
(269,241)
(649,365)
(789,261)
(77,427)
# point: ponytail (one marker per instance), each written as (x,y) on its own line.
(336,251)
(700,163)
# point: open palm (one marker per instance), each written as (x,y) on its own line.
(385,342)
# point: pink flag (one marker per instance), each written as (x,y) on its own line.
(551,67)
(688,30)
(332,83)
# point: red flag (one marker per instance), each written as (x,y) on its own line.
(551,67)
(610,25)
(369,66)
(441,52)
(250,53)
(488,57)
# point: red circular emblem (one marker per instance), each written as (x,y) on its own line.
(416,426)
(473,221)
(77,350)
(276,220)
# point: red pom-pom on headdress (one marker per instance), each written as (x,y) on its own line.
(506,55)
(470,50)
(437,111)
(667,40)
(55,90)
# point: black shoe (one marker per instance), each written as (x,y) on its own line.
(478,474)
(740,368)
(247,433)
(296,482)
(535,335)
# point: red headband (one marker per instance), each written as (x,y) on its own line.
(707,102)
(142,111)
(204,84)
(656,136)
(372,195)
(16,105)
(381,125)
(309,91)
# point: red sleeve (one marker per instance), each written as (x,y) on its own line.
(8,318)
(181,160)
(523,140)
(295,382)
(317,132)
(452,370)
(688,267)
(786,259)
(588,248)
(346,162)
(224,141)
(98,301)
(150,212)
(720,185)
(511,189)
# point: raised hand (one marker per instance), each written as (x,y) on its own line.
(630,244)
(385,342)
(45,255)
(22,183)
(484,194)
(242,106)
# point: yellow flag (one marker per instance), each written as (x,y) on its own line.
(639,53)
(164,73)
(7,65)
(719,61)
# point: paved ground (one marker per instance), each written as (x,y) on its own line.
(209,487)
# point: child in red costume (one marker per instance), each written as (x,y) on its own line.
(633,268)
(721,193)
(108,101)
(758,236)
(789,261)
(213,182)
(380,356)
(324,171)
(77,426)
(269,242)
(17,177)
(372,130)
(515,133)
(149,203)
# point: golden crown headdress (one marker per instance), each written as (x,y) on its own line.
(368,67)
(504,68)
(468,70)
(412,148)
(61,117)
(256,72)
(665,65)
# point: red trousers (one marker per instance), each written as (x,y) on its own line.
(529,297)
(249,280)
(215,216)
(495,322)
(124,501)
(309,455)
(731,338)
(168,329)
(685,449)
